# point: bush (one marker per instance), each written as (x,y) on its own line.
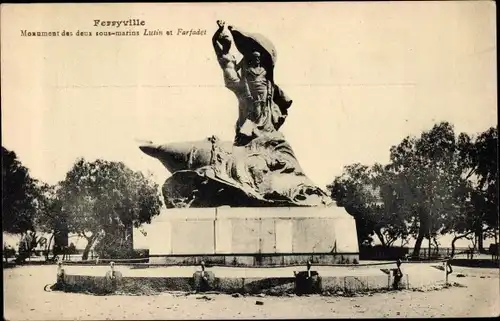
(8,252)
(72,249)
(379,252)
(493,250)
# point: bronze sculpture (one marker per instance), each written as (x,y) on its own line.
(259,167)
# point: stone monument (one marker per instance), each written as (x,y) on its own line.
(254,175)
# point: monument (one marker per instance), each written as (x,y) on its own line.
(247,199)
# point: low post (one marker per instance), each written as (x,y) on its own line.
(112,264)
(203,280)
(60,281)
(397,274)
(203,275)
(113,279)
(307,282)
(60,271)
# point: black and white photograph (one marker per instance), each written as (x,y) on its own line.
(249,160)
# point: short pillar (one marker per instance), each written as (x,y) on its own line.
(203,280)
(112,279)
(397,274)
(307,282)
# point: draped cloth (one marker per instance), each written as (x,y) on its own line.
(247,42)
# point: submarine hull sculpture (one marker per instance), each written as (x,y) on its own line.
(259,167)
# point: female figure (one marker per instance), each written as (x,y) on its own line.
(221,41)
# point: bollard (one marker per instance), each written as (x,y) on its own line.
(398,275)
(59,268)
(203,275)
(113,279)
(60,281)
(60,272)
(307,282)
(203,280)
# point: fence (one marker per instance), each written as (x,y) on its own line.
(310,277)
(393,253)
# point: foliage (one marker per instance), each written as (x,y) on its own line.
(428,173)
(480,157)
(8,252)
(72,249)
(367,194)
(19,192)
(24,203)
(434,184)
(483,158)
(103,197)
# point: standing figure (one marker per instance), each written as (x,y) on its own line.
(258,93)
(249,45)
(262,105)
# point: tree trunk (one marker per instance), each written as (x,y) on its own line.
(29,243)
(429,248)
(479,234)
(423,230)
(90,242)
(380,237)
(418,245)
(456,238)
(453,247)
(437,246)
(47,248)
(32,244)
(391,242)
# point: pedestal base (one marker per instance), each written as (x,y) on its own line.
(251,236)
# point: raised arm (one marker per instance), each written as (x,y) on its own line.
(216,44)
(219,50)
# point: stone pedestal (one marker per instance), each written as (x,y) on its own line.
(251,236)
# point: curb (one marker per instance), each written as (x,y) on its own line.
(299,284)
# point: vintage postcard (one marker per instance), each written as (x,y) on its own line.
(249,160)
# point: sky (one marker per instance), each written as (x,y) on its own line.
(362,77)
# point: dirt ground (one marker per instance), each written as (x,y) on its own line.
(25,299)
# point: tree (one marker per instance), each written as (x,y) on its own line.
(433,185)
(392,221)
(49,217)
(347,190)
(480,157)
(22,201)
(429,174)
(18,195)
(368,195)
(103,197)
